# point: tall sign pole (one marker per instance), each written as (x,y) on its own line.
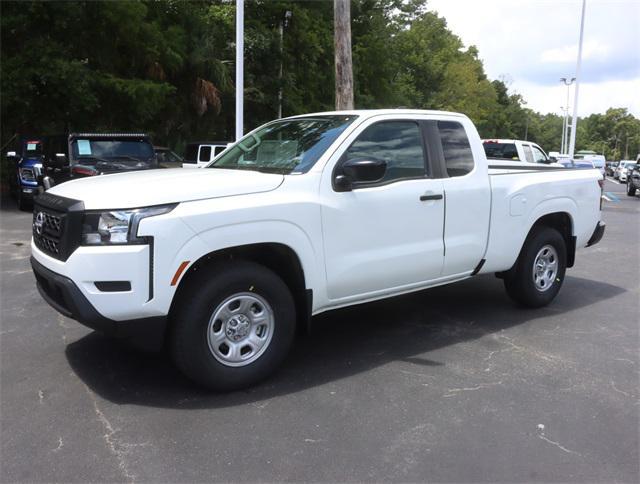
(574,120)
(239,68)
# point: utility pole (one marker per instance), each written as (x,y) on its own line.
(239,69)
(284,22)
(342,46)
(565,126)
(574,118)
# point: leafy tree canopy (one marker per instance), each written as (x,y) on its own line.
(167,67)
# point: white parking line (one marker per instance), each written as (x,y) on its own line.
(613,180)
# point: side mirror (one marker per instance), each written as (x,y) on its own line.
(553,159)
(359,170)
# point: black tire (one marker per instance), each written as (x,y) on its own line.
(23,204)
(520,283)
(189,343)
(631,190)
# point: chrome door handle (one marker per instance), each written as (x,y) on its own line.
(424,198)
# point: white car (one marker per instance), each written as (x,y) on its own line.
(598,161)
(622,170)
(303,215)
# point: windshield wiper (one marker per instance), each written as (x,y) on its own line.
(132,158)
(97,159)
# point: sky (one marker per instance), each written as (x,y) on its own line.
(531,44)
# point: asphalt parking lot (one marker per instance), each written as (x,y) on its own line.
(455,384)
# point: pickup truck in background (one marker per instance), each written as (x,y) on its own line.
(200,154)
(506,151)
(26,165)
(303,215)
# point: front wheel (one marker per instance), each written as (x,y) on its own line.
(631,190)
(233,326)
(539,271)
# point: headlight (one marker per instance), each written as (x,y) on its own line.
(117,227)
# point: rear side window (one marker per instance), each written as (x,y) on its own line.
(456,149)
(205,154)
(527,153)
(501,151)
(218,150)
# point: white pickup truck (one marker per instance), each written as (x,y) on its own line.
(303,215)
(500,151)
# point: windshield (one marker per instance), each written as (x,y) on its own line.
(32,149)
(501,151)
(287,146)
(91,151)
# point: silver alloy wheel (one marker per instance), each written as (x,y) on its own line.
(545,268)
(240,329)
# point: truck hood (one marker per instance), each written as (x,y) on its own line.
(157,187)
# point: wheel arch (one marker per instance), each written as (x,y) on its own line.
(278,257)
(563,222)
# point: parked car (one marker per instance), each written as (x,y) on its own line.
(167,158)
(588,164)
(201,153)
(611,167)
(506,151)
(303,215)
(621,170)
(597,160)
(26,162)
(633,178)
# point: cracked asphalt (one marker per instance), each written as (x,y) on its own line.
(456,384)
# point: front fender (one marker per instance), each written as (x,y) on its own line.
(242,234)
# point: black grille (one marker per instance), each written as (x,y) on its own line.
(47,231)
(57,223)
(27,174)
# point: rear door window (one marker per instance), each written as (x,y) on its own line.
(458,157)
(218,150)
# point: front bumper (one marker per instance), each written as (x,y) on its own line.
(65,297)
(28,192)
(597,234)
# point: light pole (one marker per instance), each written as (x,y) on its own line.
(574,118)
(565,125)
(239,68)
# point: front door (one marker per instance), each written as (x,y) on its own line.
(384,236)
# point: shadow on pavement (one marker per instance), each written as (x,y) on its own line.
(342,343)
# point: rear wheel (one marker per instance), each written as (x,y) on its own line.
(631,190)
(233,327)
(539,270)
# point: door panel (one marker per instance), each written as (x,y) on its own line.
(382,238)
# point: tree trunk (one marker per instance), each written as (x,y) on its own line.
(342,42)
